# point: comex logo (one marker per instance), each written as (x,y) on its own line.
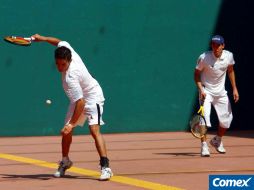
(217,182)
(242,182)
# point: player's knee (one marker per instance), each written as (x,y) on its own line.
(68,135)
(226,124)
(226,120)
(95,130)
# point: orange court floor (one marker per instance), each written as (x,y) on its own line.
(158,161)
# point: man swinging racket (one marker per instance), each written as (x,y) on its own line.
(86,102)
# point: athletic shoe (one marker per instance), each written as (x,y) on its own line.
(63,166)
(106,174)
(218,145)
(205,150)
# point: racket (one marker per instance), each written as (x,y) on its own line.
(19,40)
(198,123)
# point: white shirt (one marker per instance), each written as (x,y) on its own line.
(213,71)
(78,82)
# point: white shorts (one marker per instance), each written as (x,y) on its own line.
(92,112)
(222,107)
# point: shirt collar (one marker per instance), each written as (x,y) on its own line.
(221,58)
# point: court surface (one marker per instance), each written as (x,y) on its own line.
(169,160)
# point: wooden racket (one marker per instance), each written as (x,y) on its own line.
(17,40)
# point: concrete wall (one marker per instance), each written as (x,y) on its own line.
(143,54)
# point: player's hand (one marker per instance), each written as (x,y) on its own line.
(236,95)
(38,38)
(202,95)
(67,129)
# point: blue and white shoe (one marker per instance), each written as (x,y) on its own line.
(63,166)
(218,145)
(106,174)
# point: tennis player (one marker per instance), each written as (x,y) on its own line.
(86,102)
(210,75)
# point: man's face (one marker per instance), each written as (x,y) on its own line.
(217,49)
(62,65)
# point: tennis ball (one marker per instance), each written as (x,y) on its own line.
(48,102)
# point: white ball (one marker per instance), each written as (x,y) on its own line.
(48,102)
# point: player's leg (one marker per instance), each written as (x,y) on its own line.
(66,163)
(221,131)
(66,143)
(100,144)
(207,110)
(225,116)
(99,140)
(94,112)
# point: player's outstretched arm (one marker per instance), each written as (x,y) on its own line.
(51,40)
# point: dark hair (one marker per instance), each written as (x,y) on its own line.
(63,53)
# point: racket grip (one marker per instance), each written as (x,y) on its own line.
(30,39)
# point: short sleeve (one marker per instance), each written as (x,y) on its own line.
(200,63)
(231,59)
(65,44)
(73,89)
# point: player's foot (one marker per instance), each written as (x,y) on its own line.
(106,174)
(63,166)
(218,145)
(205,150)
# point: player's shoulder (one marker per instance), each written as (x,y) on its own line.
(205,55)
(227,53)
(74,71)
(64,43)
(228,57)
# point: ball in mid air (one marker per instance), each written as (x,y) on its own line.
(48,102)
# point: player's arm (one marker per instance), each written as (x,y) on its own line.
(197,79)
(80,104)
(52,40)
(79,107)
(231,75)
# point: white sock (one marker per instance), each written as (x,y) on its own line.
(204,143)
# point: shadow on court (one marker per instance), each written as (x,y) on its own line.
(43,177)
(188,154)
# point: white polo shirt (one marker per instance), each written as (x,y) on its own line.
(78,82)
(213,71)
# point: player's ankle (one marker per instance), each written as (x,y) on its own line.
(104,162)
(218,138)
(65,159)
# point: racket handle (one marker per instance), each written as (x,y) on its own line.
(30,39)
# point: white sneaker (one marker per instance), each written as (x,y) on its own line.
(218,145)
(205,150)
(106,174)
(63,166)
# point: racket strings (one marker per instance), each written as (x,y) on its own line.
(198,126)
(21,41)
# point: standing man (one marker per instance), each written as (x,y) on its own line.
(86,102)
(210,75)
